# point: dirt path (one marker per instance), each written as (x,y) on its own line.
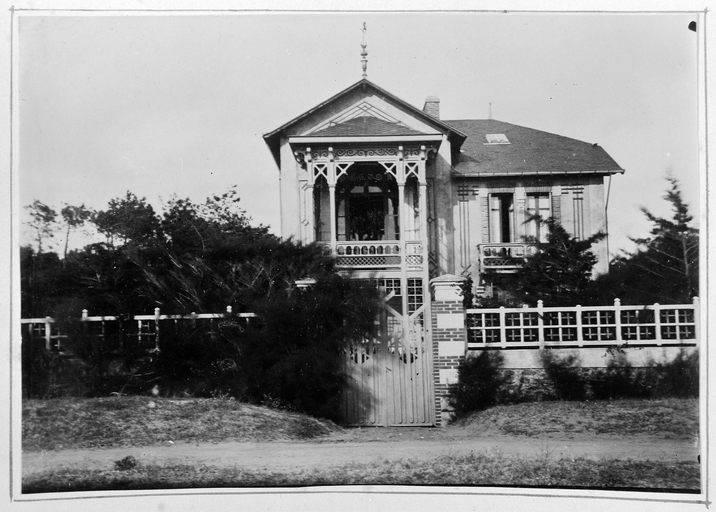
(364,446)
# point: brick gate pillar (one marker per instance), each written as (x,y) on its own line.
(449,339)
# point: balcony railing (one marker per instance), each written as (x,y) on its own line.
(506,257)
(377,254)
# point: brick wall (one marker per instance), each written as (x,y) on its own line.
(449,340)
(432,107)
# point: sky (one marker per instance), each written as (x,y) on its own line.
(177,105)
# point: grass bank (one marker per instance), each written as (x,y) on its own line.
(474,470)
(669,418)
(114,422)
(69,423)
(63,424)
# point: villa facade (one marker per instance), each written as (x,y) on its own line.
(402,197)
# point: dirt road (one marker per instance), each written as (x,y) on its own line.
(365,446)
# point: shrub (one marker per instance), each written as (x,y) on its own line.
(294,355)
(618,380)
(125,464)
(46,374)
(479,384)
(192,360)
(566,375)
(289,357)
(676,378)
(527,385)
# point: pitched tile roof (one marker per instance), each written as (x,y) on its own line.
(365,126)
(529,152)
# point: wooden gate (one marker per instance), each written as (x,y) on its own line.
(390,378)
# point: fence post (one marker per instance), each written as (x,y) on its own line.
(31,352)
(697,323)
(48,334)
(156,329)
(580,331)
(540,323)
(503,329)
(618,320)
(657,324)
(85,325)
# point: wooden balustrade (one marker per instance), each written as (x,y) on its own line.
(505,257)
(378,254)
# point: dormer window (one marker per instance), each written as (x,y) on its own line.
(496,138)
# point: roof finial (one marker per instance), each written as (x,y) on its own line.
(364,53)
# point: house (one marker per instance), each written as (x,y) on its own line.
(402,197)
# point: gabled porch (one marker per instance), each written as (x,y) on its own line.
(367,205)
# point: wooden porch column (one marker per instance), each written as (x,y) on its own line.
(332,197)
(332,201)
(423,203)
(310,236)
(400,180)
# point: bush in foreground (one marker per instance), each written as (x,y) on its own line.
(480,384)
(483,382)
(566,376)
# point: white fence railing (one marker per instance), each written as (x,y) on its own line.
(145,329)
(583,326)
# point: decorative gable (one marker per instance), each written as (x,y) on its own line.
(362,110)
(362,120)
(365,125)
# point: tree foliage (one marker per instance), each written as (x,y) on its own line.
(202,257)
(128,220)
(74,218)
(43,220)
(195,257)
(665,266)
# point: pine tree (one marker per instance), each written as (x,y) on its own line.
(665,266)
(43,222)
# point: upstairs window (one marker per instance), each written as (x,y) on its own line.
(538,210)
(502,218)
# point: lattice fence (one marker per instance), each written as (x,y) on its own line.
(579,326)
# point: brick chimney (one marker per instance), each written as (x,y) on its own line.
(432,106)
